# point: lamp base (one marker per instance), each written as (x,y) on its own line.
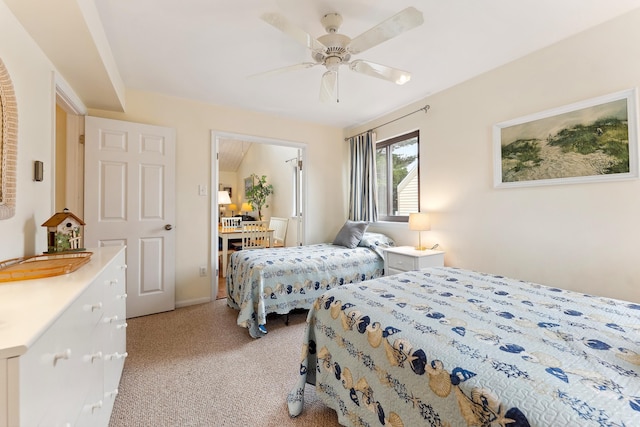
(421,248)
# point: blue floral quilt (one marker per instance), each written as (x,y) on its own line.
(450,347)
(278,280)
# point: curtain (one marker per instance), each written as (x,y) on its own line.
(362,196)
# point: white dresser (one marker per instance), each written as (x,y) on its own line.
(63,344)
(407,258)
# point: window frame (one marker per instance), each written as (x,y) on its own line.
(388,143)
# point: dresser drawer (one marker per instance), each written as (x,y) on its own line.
(407,258)
(50,369)
(401,262)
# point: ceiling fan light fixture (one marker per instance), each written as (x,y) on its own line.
(332,63)
(329,86)
(334,49)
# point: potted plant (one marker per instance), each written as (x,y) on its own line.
(258,193)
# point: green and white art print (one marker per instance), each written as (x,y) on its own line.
(593,140)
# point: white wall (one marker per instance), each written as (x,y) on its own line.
(271,160)
(582,236)
(32,77)
(194,122)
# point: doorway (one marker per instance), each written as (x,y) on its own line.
(68,153)
(280,160)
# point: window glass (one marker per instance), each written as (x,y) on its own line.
(398,177)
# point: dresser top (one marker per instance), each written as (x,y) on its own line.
(29,307)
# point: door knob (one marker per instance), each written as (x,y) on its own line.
(168,227)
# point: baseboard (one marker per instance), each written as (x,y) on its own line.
(188,302)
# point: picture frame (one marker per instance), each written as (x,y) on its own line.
(248,183)
(589,141)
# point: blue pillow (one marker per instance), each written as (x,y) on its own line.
(351,233)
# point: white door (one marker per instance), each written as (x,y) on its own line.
(130,200)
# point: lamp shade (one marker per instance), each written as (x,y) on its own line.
(233,207)
(223,198)
(246,207)
(419,221)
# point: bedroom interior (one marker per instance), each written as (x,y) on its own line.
(576,237)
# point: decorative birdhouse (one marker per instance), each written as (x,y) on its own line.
(65,232)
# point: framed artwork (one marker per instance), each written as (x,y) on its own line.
(248,183)
(593,140)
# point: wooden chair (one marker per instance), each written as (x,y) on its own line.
(279,227)
(230,223)
(254,235)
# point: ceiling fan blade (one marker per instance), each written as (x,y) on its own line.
(284,69)
(394,75)
(399,23)
(329,87)
(301,36)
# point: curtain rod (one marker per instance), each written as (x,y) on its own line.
(425,108)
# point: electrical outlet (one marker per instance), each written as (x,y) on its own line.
(203,271)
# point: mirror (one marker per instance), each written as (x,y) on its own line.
(8,144)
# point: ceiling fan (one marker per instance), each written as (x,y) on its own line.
(334,49)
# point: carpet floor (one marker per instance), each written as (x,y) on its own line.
(195,367)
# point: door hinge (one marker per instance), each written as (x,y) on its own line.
(81,139)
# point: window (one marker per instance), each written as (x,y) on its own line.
(398,177)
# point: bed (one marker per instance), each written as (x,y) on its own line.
(279,280)
(451,347)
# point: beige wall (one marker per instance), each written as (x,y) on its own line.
(31,73)
(194,122)
(581,236)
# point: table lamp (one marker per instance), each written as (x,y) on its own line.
(233,207)
(223,199)
(419,222)
(246,208)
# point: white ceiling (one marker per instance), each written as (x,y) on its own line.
(205,49)
(231,153)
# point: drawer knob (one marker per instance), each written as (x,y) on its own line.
(93,307)
(121,296)
(110,319)
(111,394)
(116,356)
(92,357)
(122,325)
(122,267)
(93,406)
(65,355)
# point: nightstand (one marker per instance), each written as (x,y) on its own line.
(406,258)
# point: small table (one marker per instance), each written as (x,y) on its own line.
(234,233)
(407,258)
